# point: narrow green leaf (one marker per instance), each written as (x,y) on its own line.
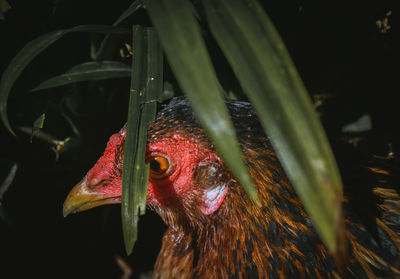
(8,180)
(136,5)
(4,187)
(130,214)
(37,125)
(186,52)
(269,78)
(146,89)
(87,72)
(30,51)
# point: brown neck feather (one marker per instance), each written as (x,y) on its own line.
(242,240)
(277,240)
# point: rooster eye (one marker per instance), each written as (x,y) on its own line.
(159,167)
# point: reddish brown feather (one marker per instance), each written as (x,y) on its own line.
(242,240)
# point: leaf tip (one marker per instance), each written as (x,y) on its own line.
(8,126)
(128,248)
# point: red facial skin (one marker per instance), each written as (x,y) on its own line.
(103,177)
(183,156)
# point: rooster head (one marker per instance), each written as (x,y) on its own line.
(186,173)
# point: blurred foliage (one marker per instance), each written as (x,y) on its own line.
(4,7)
(3,189)
(344,52)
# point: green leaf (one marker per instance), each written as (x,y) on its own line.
(136,5)
(30,51)
(88,72)
(146,89)
(269,78)
(4,187)
(186,52)
(37,125)
(8,181)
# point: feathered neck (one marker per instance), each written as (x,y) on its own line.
(242,240)
(277,240)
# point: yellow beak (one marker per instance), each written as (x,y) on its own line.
(82,197)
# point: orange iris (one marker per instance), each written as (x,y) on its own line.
(159,167)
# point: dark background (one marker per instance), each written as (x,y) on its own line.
(341,54)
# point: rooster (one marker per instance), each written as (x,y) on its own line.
(216,231)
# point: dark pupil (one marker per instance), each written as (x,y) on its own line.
(154,165)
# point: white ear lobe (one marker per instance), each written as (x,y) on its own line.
(213,198)
(214,193)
